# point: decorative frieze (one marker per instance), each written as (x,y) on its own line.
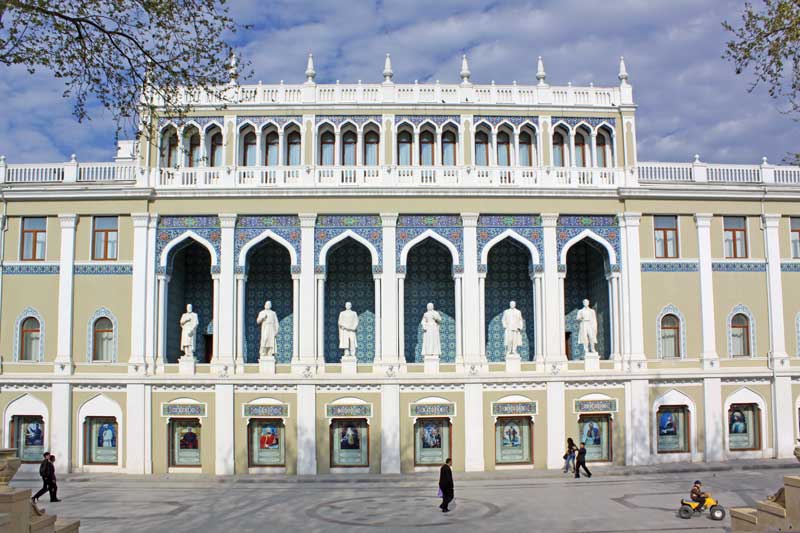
(527,228)
(595,406)
(494,120)
(739,266)
(330,227)
(259,121)
(448,227)
(32,268)
(338,120)
(201,122)
(265,411)
(417,410)
(248,228)
(793,266)
(103,269)
(172,227)
(439,120)
(349,411)
(599,227)
(670,266)
(593,122)
(514,408)
(183,410)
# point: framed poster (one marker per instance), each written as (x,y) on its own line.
(349,442)
(744,432)
(100,441)
(28,437)
(513,442)
(266,442)
(185,442)
(432,442)
(595,433)
(672,422)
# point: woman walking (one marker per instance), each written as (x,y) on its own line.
(569,456)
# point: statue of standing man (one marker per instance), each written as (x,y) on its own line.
(587,330)
(348,323)
(514,325)
(431,324)
(189,323)
(268,320)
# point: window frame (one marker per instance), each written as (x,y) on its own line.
(250,427)
(664,232)
(734,232)
(35,233)
(106,233)
(794,233)
(600,148)
(580,136)
(371,138)
(332,432)
(526,148)
(422,420)
(323,142)
(676,329)
(449,146)
(756,418)
(401,135)
(87,436)
(171,462)
(215,147)
(503,140)
(13,434)
(427,145)
(747,333)
(485,150)
(293,138)
(22,331)
(560,148)
(247,146)
(194,150)
(687,414)
(173,149)
(610,444)
(349,144)
(272,135)
(95,344)
(529,421)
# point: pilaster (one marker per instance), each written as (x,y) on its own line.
(61,426)
(306,430)
(390,428)
(390,353)
(772,251)
(632,295)
(470,297)
(135,429)
(712,405)
(223,429)
(151,306)
(137,364)
(556,429)
(63,362)
(225,320)
(637,438)
(306,315)
(473,421)
(784,420)
(552,317)
(708,355)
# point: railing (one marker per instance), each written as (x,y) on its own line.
(106,172)
(34,173)
(190,177)
(665,172)
(258,176)
(700,172)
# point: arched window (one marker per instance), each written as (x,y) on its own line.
(404,148)
(30,337)
(194,150)
(103,332)
(449,148)
(426,148)
(481,149)
(326,148)
(503,151)
(525,149)
(249,151)
(740,335)
(371,144)
(172,150)
(271,153)
(670,337)
(580,150)
(602,159)
(558,150)
(216,150)
(349,149)
(293,149)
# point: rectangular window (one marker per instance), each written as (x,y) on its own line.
(404,153)
(735,237)
(104,247)
(595,433)
(513,441)
(666,235)
(266,442)
(795,237)
(432,443)
(27,436)
(34,235)
(349,442)
(673,429)
(184,442)
(100,441)
(744,432)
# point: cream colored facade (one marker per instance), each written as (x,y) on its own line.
(393,195)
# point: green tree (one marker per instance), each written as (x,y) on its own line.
(128,55)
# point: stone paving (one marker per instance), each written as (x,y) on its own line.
(536,501)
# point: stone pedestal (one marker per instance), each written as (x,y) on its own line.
(431,364)
(513,363)
(187,365)
(266,365)
(349,365)
(591,361)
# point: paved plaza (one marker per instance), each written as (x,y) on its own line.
(486,502)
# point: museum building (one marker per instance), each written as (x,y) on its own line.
(351,252)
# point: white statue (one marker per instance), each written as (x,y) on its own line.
(587,330)
(268,320)
(348,323)
(431,322)
(513,324)
(189,323)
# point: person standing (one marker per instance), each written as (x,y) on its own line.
(581,462)
(569,456)
(43,469)
(446,485)
(53,484)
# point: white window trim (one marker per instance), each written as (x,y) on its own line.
(747,396)
(97,407)
(27,405)
(28,312)
(743,309)
(103,312)
(678,398)
(671,309)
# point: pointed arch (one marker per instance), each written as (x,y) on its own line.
(28,312)
(102,312)
(370,122)
(563,124)
(482,123)
(587,233)
(511,234)
(266,234)
(100,406)
(674,397)
(210,125)
(188,234)
(27,405)
(746,395)
(450,122)
(323,252)
(289,124)
(429,234)
(247,122)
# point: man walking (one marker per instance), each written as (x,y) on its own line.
(446,485)
(53,484)
(43,469)
(581,462)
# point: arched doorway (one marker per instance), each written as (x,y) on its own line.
(587,278)
(190,283)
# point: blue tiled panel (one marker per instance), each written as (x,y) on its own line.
(190,284)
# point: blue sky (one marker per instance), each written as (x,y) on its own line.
(690,100)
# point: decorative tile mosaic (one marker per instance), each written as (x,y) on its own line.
(494,120)
(670,309)
(101,313)
(595,406)
(183,409)
(594,122)
(31,269)
(172,227)
(527,227)
(178,122)
(262,120)
(669,266)
(265,410)
(790,267)
(586,278)
(513,408)
(190,283)
(250,227)
(432,409)
(448,227)
(339,411)
(109,269)
(338,120)
(329,227)
(416,120)
(269,278)
(603,226)
(739,266)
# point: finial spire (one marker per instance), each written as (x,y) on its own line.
(540,73)
(623,72)
(233,69)
(465,73)
(387,69)
(310,72)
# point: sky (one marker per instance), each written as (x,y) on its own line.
(690,101)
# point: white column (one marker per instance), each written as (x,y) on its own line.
(632,278)
(390,429)
(709,351)
(203,152)
(281,145)
(295,318)
(151,298)
(556,419)
(482,316)
(473,426)
(136,364)
(306,315)
(712,405)
(471,320)
(784,409)
(337,148)
(135,443)
(360,147)
(437,148)
(259,156)
(378,319)
(572,158)
(161,348)
(224,416)
(593,162)
(241,283)
(320,354)
(515,157)
(61,426)
(616,316)
(401,318)
(552,321)
(561,313)
(63,363)
(637,435)
(306,430)
(224,321)
(772,250)
(415,149)
(215,358)
(390,320)
(538,316)
(459,321)
(493,150)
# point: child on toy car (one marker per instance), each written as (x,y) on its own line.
(698,495)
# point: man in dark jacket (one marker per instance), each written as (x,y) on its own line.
(43,469)
(446,485)
(581,462)
(53,484)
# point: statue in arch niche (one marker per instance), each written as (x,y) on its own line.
(513,324)
(268,320)
(189,323)
(587,328)
(431,325)
(348,324)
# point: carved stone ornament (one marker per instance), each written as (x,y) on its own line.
(9,464)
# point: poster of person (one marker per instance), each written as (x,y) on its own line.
(513,441)
(267,444)
(187,444)
(671,430)
(107,436)
(432,441)
(34,436)
(667,425)
(269,438)
(737,421)
(350,439)
(431,437)
(30,431)
(742,428)
(511,435)
(104,441)
(591,434)
(594,434)
(350,443)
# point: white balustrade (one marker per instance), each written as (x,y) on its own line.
(734,173)
(35,173)
(106,172)
(665,172)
